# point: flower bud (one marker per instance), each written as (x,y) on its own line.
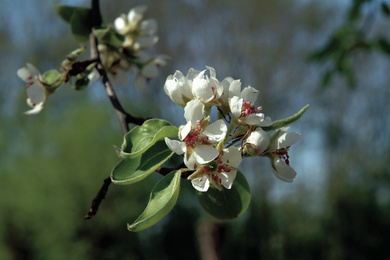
(257,142)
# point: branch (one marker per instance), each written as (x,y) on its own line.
(98,199)
(123,117)
(164,170)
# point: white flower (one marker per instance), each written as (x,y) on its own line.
(242,106)
(197,137)
(196,85)
(139,34)
(149,71)
(125,24)
(207,89)
(257,142)
(279,154)
(36,92)
(221,171)
(230,87)
(178,87)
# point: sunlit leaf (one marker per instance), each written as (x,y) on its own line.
(227,203)
(129,171)
(140,138)
(280,123)
(162,199)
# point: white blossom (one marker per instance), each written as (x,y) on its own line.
(221,171)
(36,92)
(195,85)
(197,137)
(280,159)
(242,106)
(257,142)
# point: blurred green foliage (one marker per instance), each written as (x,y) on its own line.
(351,37)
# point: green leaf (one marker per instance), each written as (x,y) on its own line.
(52,79)
(162,199)
(75,54)
(80,20)
(129,171)
(66,12)
(141,138)
(81,83)
(80,24)
(50,76)
(227,204)
(109,36)
(280,123)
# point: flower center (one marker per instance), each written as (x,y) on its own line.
(283,154)
(195,135)
(249,108)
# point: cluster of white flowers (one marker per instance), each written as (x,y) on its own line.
(139,36)
(209,148)
(123,51)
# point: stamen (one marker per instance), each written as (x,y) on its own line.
(249,108)
(194,135)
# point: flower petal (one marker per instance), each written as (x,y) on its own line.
(266,122)
(250,94)
(283,171)
(225,88)
(227,178)
(136,13)
(175,146)
(185,130)
(201,89)
(190,161)
(148,26)
(260,141)
(205,153)
(287,139)
(119,23)
(192,73)
(235,88)
(36,93)
(232,157)
(235,104)
(27,73)
(216,131)
(193,110)
(36,109)
(254,119)
(201,184)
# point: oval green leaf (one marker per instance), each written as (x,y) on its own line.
(129,171)
(162,199)
(80,24)
(227,204)
(66,12)
(280,123)
(141,138)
